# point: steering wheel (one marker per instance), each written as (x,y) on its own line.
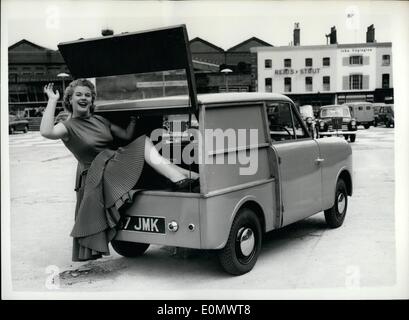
(280,126)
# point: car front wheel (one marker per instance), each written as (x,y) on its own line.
(25,130)
(352,137)
(243,245)
(335,216)
(129,249)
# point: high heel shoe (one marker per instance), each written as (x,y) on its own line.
(185,184)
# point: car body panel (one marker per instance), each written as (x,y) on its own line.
(300,179)
(149,51)
(337,156)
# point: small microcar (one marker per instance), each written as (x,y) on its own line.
(259,168)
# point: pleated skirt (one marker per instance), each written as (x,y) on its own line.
(101,192)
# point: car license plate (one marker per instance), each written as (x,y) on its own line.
(143,224)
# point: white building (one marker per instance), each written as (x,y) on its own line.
(327,74)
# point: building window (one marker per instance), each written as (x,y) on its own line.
(287,84)
(308,83)
(326,62)
(355,82)
(267,63)
(386,60)
(269,84)
(326,83)
(287,63)
(355,60)
(308,62)
(385,81)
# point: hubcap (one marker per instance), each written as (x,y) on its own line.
(247,241)
(341,203)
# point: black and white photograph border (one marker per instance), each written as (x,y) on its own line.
(366,258)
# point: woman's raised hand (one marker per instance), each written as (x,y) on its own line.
(49,91)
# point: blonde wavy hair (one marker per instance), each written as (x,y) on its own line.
(69,91)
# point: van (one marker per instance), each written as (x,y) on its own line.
(259,168)
(363,113)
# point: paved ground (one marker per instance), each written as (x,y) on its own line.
(304,255)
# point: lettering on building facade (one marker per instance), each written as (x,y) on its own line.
(300,71)
(356,50)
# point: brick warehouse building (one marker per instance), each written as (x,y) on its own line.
(32,66)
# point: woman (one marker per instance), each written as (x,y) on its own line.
(104,178)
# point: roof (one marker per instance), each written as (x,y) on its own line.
(27,43)
(334,105)
(182,101)
(252,39)
(328,46)
(197,39)
(357,103)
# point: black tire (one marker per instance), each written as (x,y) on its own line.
(333,217)
(387,124)
(367,125)
(11,130)
(243,245)
(129,249)
(352,137)
(375,123)
(346,136)
(25,130)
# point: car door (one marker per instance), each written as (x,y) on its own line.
(298,161)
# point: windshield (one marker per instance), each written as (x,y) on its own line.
(141,86)
(330,112)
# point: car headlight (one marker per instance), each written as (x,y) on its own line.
(309,120)
(322,124)
(353,123)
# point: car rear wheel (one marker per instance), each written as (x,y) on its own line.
(11,130)
(129,249)
(366,126)
(352,137)
(335,216)
(346,136)
(243,245)
(25,130)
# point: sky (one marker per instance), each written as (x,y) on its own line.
(223,23)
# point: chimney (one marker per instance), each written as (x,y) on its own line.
(333,36)
(296,34)
(370,34)
(107,32)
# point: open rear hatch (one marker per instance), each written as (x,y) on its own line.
(128,68)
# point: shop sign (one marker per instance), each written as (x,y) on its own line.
(288,71)
(356,50)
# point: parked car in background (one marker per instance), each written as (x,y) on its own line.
(337,120)
(386,116)
(307,115)
(362,112)
(17,124)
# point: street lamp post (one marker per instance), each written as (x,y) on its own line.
(62,76)
(226,72)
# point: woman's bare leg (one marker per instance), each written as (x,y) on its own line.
(161,164)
